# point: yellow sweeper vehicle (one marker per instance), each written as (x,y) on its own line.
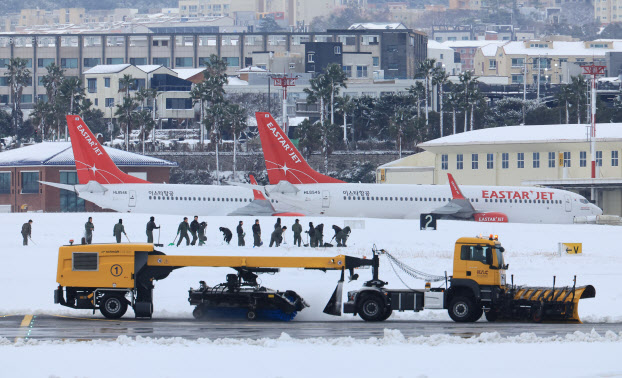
(111,277)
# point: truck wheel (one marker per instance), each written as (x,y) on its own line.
(492,316)
(462,309)
(199,312)
(113,306)
(371,308)
(387,313)
(251,315)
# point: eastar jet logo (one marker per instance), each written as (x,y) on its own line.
(94,145)
(510,194)
(288,149)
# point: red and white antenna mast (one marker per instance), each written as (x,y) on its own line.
(593,70)
(284,82)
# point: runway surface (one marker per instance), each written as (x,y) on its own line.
(50,327)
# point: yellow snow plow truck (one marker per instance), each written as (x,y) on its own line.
(478,286)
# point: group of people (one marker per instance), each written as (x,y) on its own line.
(197,229)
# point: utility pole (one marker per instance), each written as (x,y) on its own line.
(539,68)
(284,82)
(593,70)
(524,88)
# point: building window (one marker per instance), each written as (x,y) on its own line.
(91,62)
(551,159)
(520,160)
(232,61)
(583,159)
(444,162)
(536,160)
(347,70)
(69,62)
(109,102)
(119,61)
(138,61)
(492,64)
(599,158)
(4,81)
(45,62)
(107,82)
(490,161)
(92,85)
(179,103)
(166,62)
(567,159)
(361,71)
(518,62)
(505,160)
(459,161)
(474,161)
(614,158)
(375,61)
(518,79)
(26,98)
(69,201)
(183,62)
(30,182)
(311,58)
(5,182)
(337,50)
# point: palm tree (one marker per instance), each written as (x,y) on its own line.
(126,114)
(425,71)
(468,82)
(71,92)
(18,77)
(564,96)
(337,79)
(143,118)
(417,91)
(144,96)
(40,117)
(579,86)
(237,122)
(347,105)
(126,84)
(440,78)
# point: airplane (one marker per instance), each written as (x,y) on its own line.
(293,182)
(104,184)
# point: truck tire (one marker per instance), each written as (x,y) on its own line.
(462,310)
(492,316)
(477,314)
(199,312)
(387,313)
(371,308)
(113,306)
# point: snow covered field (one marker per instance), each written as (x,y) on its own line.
(30,273)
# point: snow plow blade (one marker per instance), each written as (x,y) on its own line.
(550,304)
(333,307)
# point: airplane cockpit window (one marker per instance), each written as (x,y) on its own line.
(583,200)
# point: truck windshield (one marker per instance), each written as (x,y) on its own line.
(499,256)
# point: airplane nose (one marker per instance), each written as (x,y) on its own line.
(596,210)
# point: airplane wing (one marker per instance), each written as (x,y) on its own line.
(91,187)
(260,205)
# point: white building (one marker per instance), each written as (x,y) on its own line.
(445,56)
(549,155)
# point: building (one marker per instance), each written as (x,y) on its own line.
(607,11)
(468,49)
(546,62)
(465,4)
(453,33)
(396,52)
(550,155)
(21,170)
(445,57)
(75,16)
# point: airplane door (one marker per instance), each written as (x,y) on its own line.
(132,198)
(325,199)
(568,202)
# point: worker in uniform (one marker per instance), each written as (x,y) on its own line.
(311,233)
(88,231)
(297,228)
(182,231)
(26,231)
(342,236)
(319,235)
(194,228)
(256,234)
(118,229)
(202,237)
(337,230)
(150,227)
(227,234)
(277,226)
(241,234)
(277,236)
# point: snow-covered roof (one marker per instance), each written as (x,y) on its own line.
(61,153)
(186,73)
(432,44)
(295,121)
(489,50)
(377,26)
(107,69)
(232,80)
(459,44)
(559,48)
(528,134)
(148,68)
(252,69)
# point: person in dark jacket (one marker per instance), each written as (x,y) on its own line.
(194,228)
(297,228)
(277,236)
(118,229)
(27,231)
(226,234)
(88,231)
(150,227)
(202,237)
(182,231)
(311,232)
(241,234)
(342,236)
(277,226)
(319,235)
(257,234)
(337,230)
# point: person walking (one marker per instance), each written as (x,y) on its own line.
(256,234)
(202,237)
(277,226)
(297,228)
(88,231)
(150,227)
(182,231)
(319,235)
(27,231)
(277,236)
(194,228)
(311,233)
(241,234)
(118,229)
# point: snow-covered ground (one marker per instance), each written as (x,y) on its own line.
(531,251)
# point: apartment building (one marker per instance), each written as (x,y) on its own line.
(608,11)
(396,52)
(467,51)
(546,62)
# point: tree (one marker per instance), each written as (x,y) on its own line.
(18,77)
(469,82)
(453,101)
(269,25)
(144,96)
(440,78)
(417,91)
(335,79)
(347,105)
(578,85)
(52,82)
(41,118)
(308,135)
(236,117)
(564,97)
(425,70)
(71,92)
(146,122)
(127,107)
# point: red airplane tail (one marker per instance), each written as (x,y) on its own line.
(92,161)
(258,195)
(283,160)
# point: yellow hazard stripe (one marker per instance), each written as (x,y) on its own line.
(26,321)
